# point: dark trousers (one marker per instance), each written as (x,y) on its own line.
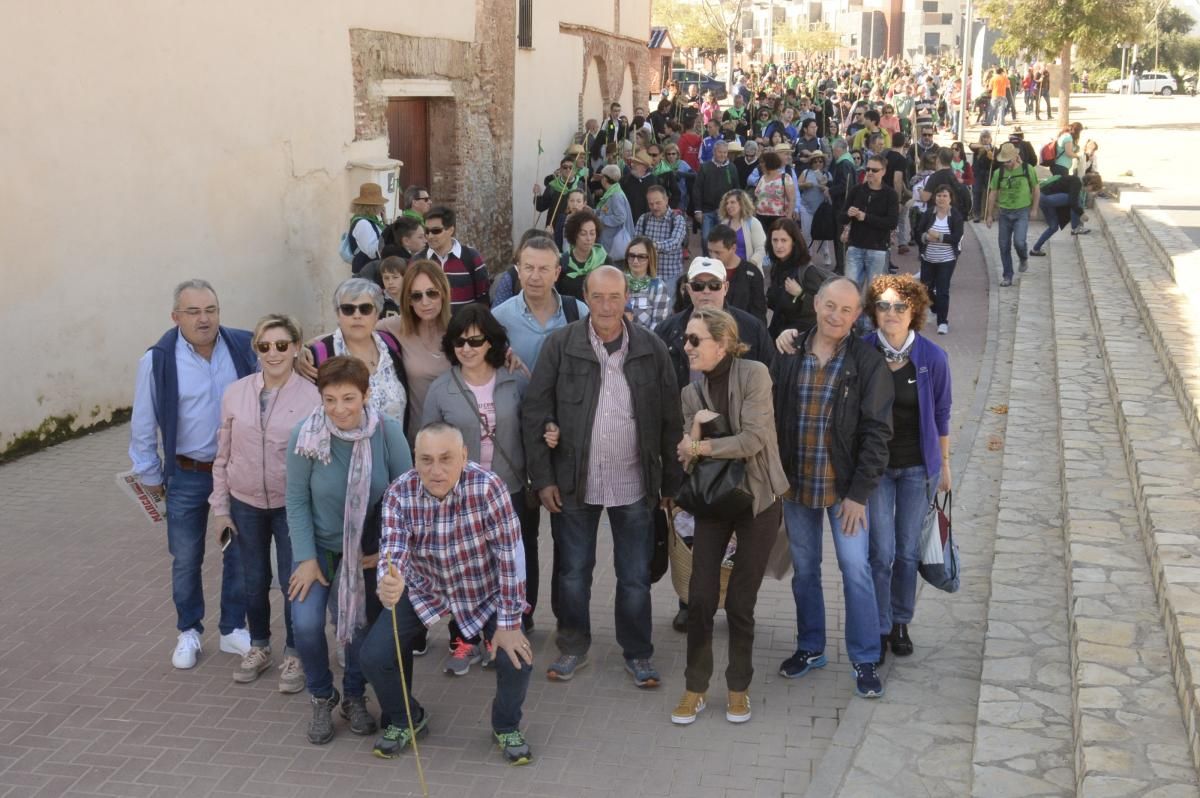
(1049,110)
(755,537)
(936,277)
(257,527)
(839,251)
(1059,169)
(378,657)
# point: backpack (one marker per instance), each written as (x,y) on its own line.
(962,198)
(348,248)
(1049,152)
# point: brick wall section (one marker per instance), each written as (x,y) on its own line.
(471,133)
(610,54)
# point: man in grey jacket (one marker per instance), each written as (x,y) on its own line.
(601,420)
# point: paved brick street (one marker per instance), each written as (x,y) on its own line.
(90,705)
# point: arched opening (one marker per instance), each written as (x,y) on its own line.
(593,98)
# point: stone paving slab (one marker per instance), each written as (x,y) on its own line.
(1129,733)
(1023,732)
(1163,461)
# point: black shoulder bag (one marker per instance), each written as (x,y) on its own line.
(715,487)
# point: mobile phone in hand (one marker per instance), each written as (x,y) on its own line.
(226,537)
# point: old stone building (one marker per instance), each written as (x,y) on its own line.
(218,140)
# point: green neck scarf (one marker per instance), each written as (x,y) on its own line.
(637,283)
(615,188)
(663,167)
(736,113)
(559,186)
(595,259)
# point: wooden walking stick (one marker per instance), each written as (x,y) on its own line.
(412,734)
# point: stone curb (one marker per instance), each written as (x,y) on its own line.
(1129,734)
(1161,458)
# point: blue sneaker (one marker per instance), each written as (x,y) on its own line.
(643,673)
(866,681)
(801,663)
(563,669)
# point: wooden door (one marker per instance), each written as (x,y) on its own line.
(408,138)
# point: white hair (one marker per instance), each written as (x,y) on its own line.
(357,286)
(195,284)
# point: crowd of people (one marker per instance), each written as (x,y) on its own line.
(402,465)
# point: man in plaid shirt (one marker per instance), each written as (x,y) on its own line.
(833,413)
(451,545)
(668,230)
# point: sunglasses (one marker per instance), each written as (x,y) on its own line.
(475,341)
(363,308)
(711,285)
(874,169)
(693,340)
(428,293)
(434,231)
(280,346)
(426,198)
(883,306)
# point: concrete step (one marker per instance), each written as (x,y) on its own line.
(1174,250)
(1129,733)
(1146,255)
(1023,731)
(1160,453)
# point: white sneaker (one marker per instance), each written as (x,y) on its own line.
(236,642)
(943,329)
(186,650)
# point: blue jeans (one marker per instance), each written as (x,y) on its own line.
(804,528)
(999,110)
(256,529)
(710,221)
(308,621)
(863,266)
(1049,203)
(936,277)
(379,663)
(897,510)
(633,548)
(187,525)
(1014,232)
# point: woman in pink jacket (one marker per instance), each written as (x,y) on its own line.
(258,414)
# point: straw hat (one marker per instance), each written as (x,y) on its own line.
(575,149)
(642,157)
(369,194)
(783,148)
(735,146)
(1008,151)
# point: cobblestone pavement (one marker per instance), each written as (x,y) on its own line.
(90,705)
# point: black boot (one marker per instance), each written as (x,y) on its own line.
(883,644)
(902,645)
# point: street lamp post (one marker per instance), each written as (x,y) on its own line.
(966,72)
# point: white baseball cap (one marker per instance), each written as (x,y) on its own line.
(709,266)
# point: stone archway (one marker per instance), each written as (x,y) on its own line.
(609,54)
(591,99)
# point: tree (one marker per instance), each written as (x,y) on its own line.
(687,24)
(725,16)
(1054,27)
(806,39)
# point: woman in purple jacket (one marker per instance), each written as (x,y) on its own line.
(258,414)
(918,453)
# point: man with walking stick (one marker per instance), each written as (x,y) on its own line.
(451,545)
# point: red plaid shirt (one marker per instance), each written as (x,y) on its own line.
(461,555)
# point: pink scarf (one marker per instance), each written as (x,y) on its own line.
(314,442)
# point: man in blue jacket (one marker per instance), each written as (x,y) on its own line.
(180,382)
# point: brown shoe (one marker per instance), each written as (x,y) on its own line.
(738,708)
(689,707)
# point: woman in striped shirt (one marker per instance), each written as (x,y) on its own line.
(938,233)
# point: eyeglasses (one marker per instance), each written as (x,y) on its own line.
(711,285)
(693,340)
(874,169)
(428,293)
(883,306)
(363,308)
(636,256)
(672,155)
(434,231)
(475,341)
(280,346)
(211,310)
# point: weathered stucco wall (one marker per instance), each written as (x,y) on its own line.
(209,140)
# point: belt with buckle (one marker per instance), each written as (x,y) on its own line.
(188,464)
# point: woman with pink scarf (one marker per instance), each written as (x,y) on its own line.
(340,461)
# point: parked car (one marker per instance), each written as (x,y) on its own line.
(686,77)
(1149,83)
